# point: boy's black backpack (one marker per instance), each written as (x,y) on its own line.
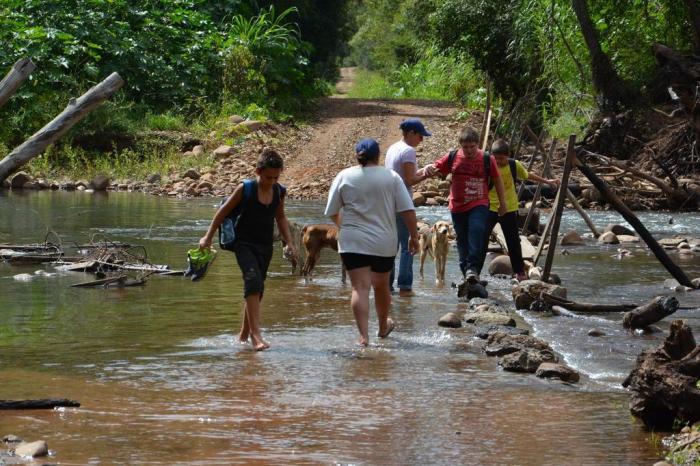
(227,229)
(487,166)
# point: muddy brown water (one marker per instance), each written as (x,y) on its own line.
(162,381)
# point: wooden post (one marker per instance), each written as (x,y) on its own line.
(538,190)
(632,219)
(487,118)
(569,195)
(559,208)
(73,113)
(17,75)
(532,159)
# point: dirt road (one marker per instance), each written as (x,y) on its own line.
(324,148)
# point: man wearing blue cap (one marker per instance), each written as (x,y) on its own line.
(401,157)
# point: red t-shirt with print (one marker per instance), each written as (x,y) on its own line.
(469,188)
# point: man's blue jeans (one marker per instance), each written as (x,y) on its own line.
(405,280)
(470,227)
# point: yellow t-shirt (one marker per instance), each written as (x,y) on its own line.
(509,186)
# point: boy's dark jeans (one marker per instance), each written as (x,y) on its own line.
(509,225)
(470,227)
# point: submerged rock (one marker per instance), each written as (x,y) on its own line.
(489,318)
(548,370)
(526,360)
(450,320)
(572,238)
(501,266)
(32,449)
(485,331)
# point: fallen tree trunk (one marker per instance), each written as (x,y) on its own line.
(652,312)
(585,307)
(14,79)
(47,403)
(73,113)
(663,382)
(632,219)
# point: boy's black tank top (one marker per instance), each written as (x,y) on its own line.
(256,222)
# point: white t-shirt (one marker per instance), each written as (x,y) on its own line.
(370,198)
(398,154)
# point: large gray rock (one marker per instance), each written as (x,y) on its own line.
(501,266)
(450,320)
(153,178)
(572,238)
(99,183)
(619,230)
(198,149)
(235,119)
(471,290)
(549,370)
(19,179)
(608,238)
(526,360)
(628,239)
(666,242)
(32,449)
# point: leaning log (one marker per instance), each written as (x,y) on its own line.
(486,125)
(632,219)
(47,403)
(652,312)
(73,113)
(14,79)
(663,382)
(559,208)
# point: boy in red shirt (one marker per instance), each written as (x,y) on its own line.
(469,198)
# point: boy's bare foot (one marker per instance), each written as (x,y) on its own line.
(389,328)
(258,343)
(243,338)
(406,293)
(363,341)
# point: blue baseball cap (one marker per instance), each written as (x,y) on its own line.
(367,146)
(415,125)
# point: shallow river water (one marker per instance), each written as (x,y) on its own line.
(162,381)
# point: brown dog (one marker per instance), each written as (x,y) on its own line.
(314,238)
(436,242)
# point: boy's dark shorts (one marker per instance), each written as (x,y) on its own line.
(377,264)
(253,259)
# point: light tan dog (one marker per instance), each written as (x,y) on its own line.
(314,238)
(436,242)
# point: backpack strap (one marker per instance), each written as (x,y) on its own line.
(487,170)
(451,159)
(513,171)
(248,186)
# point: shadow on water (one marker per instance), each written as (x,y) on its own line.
(162,378)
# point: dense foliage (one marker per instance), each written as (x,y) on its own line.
(530,50)
(178,57)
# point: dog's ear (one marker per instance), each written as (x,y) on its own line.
(434,227)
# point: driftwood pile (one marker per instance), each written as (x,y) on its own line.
(110,261)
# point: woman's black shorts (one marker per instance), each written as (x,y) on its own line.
(378,264)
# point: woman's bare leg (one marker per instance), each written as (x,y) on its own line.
(360,280)
(382,301)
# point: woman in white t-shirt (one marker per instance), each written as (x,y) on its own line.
(363,202)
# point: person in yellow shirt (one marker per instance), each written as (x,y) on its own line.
(510,170)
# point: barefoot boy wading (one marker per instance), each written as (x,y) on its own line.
(254,232)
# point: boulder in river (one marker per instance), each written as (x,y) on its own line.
(526,360)
(571,238)
(450,320)
(549,370)
(489,318)
(32,449)
(608,238)
(619,230)
(18,180)
(527,291)
(501,266)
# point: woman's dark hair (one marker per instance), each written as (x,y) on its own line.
(269,158)
(468,135)
(363,158)
(366,151)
